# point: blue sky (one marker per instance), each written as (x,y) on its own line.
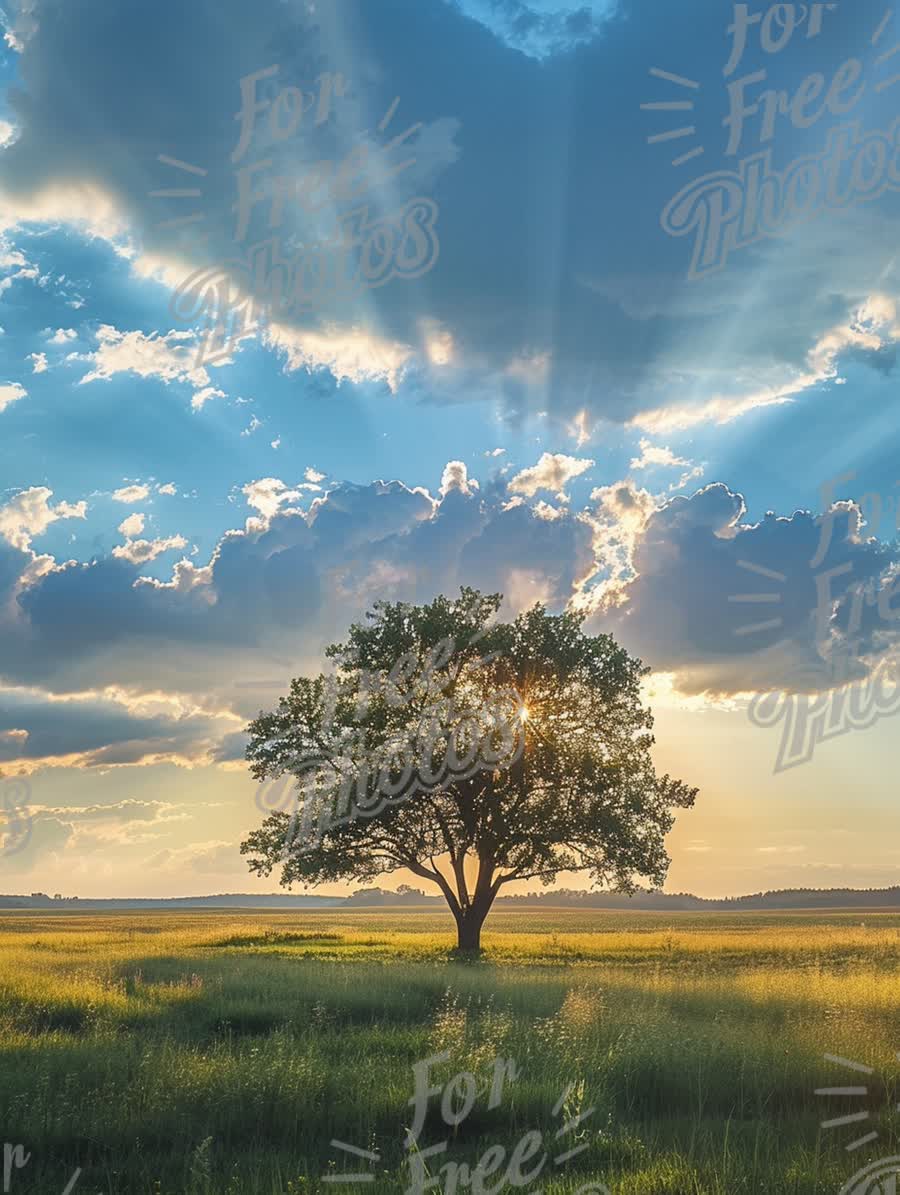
(537,398)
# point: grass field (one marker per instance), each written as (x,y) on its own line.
(212,1053)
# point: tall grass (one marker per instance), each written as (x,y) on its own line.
(220,1054)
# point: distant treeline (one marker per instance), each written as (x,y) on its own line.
(785,898)
(228,900)
(407,897)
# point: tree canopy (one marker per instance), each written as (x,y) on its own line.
(471,752)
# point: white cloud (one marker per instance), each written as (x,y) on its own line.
(131,493)
(653,455)
(30,514)
(84,205)
(61,335)
(552,472)
(496,452)
(252,426)
(40,362)
(10,392)
(10,258)
(872,325)
(580,428)
(269,494)
(313,475)
(456,477)
(28,272)
(543,510)
(168,488)
(170,357)
(139,551)
(352,355)
(623,511)
(276,443)
(132,526)
(657,456)
(203,396)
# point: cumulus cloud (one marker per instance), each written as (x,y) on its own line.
(131,493)
(456,477)
(202,397)
(30,513)
(39,362)
(10,392)
(659,574)
(269,494)
(552,472)
(657,456)
(285,585)
(140,551)
(132,526)
(170,357)
(61,336)
(693,604)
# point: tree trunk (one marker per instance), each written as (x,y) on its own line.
(468,928)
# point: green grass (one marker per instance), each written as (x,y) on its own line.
(219,1053)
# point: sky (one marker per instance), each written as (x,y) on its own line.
(593,304)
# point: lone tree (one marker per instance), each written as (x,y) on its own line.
(470,752)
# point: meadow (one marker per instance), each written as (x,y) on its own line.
(220,1053)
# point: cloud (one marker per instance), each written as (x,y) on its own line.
(456,477)
(657,456)
(61,336)
(132,526)
(131,493)
(351,354)
(39,728)
(552,472)
(592,320)
(654,456)
(170,357)
(140,551)
(168,489)
(30,514)
(40,362)
(689,607)
(269,494)
(10,392)
(203,396)
(660,575)
(283,587)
